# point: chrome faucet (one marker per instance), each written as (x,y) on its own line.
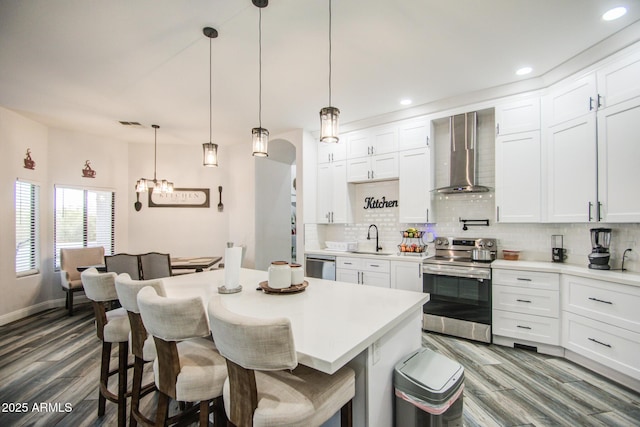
(378,247)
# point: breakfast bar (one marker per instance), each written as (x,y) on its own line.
(334,324)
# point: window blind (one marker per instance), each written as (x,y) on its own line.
(83,218)
(27,197)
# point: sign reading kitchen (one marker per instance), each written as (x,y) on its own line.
(373,203)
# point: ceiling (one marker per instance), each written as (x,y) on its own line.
(86,65)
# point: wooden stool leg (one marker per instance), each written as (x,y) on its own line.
(346,414)
(70,302)
(123,354)
(163,409)
(138,366)
(204,413)
(219,415)
(104,376)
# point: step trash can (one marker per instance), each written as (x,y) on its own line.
(428,389)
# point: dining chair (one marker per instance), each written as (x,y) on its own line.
(112,326)
(266,386)
(123,263)
(142,344)
(155,265)
(70,260)
(188,368)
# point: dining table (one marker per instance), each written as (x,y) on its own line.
(183,264)
(334,324)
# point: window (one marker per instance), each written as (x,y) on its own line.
(83,218)
(27,228)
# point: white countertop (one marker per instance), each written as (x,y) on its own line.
(627,277)
(392,257)
(332,321)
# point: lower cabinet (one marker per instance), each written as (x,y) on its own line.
(364,271)
(601,322)
(406,275)
(526,309)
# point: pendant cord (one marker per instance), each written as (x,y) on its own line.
(210,94)
(155,151)
(329,53)
(260,68)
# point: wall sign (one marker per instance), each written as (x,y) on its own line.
(372,203)
(180,198)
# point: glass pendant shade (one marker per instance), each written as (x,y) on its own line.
(329,124)
(142,186)
(210,154)
(260,138)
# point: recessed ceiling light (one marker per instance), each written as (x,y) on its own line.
(523,71)
(614,13)
(405,101)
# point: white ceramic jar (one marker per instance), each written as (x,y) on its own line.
(297,274)
(279,275)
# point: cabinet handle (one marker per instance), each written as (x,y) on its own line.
(362,278)
(329,157)
(358,277)
(332,216)
(524,279)
(427,215)
(599,100)
(348,263)
(600,300)
(598,342)
(375,265)
(368,174)
(524,300)
(371,174)
(497,128)
(590,218)
(599,211)
(419,270)
(523,327)
(427,140)
(369,150)
(497,213)
(590,103)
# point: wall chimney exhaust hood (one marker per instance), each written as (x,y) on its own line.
(463,133)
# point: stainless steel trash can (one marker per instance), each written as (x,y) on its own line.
(428,388)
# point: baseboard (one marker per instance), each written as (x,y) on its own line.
(28,311)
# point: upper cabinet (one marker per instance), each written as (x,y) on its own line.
(416,171)
(333,203)
(372,154)
(591,124)
(415,133)
(518,161)
(332,152)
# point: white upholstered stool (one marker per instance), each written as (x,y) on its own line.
(266,386)
(112,326)
(188,368)
(142,344)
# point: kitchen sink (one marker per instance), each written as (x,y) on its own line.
(373,253)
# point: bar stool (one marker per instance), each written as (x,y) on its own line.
(112,326)
(142,344)
(266,386)
(188,368)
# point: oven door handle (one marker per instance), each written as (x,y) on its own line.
(457,272)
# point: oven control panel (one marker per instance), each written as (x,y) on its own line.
(462,243)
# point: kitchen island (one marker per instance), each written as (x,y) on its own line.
(334,324)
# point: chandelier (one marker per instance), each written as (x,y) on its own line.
(156,185)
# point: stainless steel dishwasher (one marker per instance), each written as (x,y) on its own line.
(320,266)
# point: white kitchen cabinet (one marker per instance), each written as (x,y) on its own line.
(333,193)
(372,141)
(332,152)
(364,271)
(358,144)
(571,169)
(601,322)
(406,275)
(373,168)
(415,172)
(415,133)
(570,99)
(618,81)
(526,309)
(517,116)
(618,157)
(518,177)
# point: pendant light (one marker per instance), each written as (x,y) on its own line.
(260,135)
(329,115)
(157,185)
(209,149)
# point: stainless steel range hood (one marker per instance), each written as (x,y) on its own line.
(463,133)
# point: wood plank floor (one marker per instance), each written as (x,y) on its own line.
(53,359)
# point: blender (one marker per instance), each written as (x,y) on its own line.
(599,256)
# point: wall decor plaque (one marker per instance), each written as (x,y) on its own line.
(180,198)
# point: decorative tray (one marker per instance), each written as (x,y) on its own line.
(290,290)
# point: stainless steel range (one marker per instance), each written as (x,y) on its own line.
(458,279)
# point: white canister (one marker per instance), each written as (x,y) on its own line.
(297,274)
(279,275)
